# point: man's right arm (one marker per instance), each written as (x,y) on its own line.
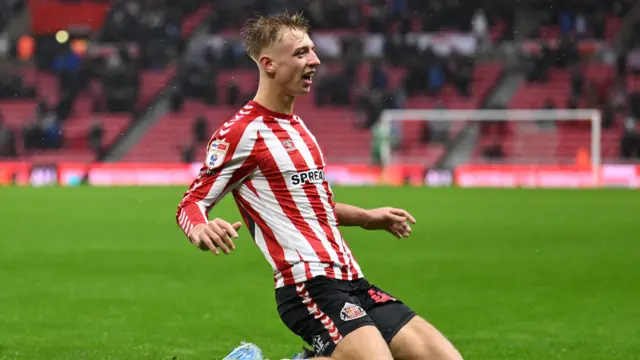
(228,162)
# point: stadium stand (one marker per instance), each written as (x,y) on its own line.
(349,93)
(564,71)
(87,103)
(376,54)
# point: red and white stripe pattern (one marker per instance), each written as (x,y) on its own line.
(318,314)
(296,226)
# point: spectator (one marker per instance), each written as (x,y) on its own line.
(11,85)
(581,29)
(122,22)
(493,150)
(618,95)
(95,136)
(7,140)
(200,129)
(566,25)
(630,143)
(199,78)
(599,24)
(120,82)
(379,78)
(436,130)
(549,104)
(591,100)
(633,60)
(160,35)
(188,153)
(233,93)
(395,48)
(52,132)
(577,82)
(36,133)
(459,72)
(435,75)
(480,29)
(608,115)
(621,64)
(567,53)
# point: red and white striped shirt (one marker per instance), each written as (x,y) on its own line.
(274,168)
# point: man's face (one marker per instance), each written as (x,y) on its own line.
(293,61)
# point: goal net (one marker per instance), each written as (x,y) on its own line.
(492,139)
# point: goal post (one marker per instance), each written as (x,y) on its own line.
(389,116)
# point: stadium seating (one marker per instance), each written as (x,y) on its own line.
(484,78)
(335,127)
(554,33)
(75,148)
(560,144)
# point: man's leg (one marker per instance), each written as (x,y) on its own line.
(419,340)
(365,343)
(409,336)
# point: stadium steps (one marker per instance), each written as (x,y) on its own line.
(459,147)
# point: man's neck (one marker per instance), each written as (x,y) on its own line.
(274,100)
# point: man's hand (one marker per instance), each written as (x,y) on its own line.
(215,234)
(390,219)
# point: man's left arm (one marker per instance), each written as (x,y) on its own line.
(390,219)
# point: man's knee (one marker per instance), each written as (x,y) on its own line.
(424,351)
(364,343)
(419,340)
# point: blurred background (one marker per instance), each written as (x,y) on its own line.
(112,97)
(87,84)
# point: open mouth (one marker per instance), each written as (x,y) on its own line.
(307,77)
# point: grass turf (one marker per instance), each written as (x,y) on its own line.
(105,273)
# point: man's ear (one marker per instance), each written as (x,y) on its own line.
(267,64)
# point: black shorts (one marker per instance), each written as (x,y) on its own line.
(323,310)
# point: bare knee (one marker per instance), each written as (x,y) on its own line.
(365,343)
(422,351)
(419,340)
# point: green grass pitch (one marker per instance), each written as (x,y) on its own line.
(105,273)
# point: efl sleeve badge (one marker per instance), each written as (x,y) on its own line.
(216,153)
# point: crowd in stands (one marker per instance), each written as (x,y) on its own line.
(373,16)
(154,25)
(580,19)
(585,19)
(337,82)
(136,35)
(146,34)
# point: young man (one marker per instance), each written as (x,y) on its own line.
(272,165)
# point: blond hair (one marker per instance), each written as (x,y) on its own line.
(260,32)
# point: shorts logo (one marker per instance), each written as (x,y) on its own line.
(351,312)
(319,346)
(380,296)
(216,154)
